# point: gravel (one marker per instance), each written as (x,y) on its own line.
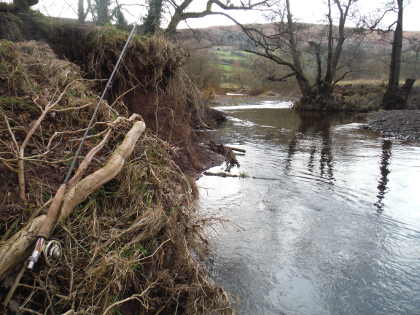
(401,124)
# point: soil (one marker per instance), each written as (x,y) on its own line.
(401,124)
(136,232)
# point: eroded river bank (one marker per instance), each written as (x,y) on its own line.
(337,232)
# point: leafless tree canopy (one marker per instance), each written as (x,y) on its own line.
(292,44)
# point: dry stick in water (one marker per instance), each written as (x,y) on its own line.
(236,149)
(14,250)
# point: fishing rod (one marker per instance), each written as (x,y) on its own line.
(54,248)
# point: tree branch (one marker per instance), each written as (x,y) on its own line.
(15,249)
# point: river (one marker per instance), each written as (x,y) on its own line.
(333,226)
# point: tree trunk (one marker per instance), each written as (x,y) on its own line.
(392,98)
(102,7)
(416,62)
(81,11)
(394,74)
(173,24)
(152,23)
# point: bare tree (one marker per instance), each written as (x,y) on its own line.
(118,16)
(154,15)
(181,12)
(82,12)
(102,11)
(287,41)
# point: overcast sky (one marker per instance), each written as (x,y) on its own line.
(310,11)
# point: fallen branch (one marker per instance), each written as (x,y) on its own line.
(223,174)
(236,149)
(15,250)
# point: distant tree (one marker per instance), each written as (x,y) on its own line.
(414,47)
(102,12)
(82,12)
(153,17)
(180,11)
(119,18)
(202,71)
(286,43)
(395,96)
(103,15)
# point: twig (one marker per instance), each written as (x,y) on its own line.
(16,246)
(67,109)
(133,297)
(20,149)
(14,286)
(157,249)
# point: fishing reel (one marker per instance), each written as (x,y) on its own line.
(51,250)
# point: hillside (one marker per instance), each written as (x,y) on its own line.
(233,35)
(363,55)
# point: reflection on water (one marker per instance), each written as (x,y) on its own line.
(320,127)
(331,235)
(384,167)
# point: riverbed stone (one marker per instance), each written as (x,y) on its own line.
(401,124)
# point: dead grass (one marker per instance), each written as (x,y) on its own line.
(134,245)
(152,81)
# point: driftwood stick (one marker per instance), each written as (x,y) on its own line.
(88,159)
(53,212)
(224,174)
(92,182)
(221,174)
(15,250)
(236,149)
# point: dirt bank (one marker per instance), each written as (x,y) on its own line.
(401,124)
(133,243)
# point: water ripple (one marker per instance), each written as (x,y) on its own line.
(337,232)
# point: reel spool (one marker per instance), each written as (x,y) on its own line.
(53,252)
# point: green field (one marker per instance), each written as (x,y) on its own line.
(228,60)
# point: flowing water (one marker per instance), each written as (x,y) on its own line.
(333,226)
